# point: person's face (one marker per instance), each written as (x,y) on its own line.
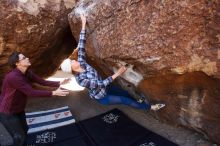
(23,61)
(75,65)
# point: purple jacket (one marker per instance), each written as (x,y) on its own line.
(17,86)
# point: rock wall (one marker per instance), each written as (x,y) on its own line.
(172,49)
(38,29)
(192,100)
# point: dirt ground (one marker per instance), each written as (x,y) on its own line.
(82,107)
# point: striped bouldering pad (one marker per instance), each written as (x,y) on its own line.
(44,120)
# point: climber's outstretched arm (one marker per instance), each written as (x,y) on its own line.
(82,40)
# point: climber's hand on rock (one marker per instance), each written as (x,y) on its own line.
(83,18)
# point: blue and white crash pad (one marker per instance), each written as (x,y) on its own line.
(44,120)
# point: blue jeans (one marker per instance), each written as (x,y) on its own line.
(116,95)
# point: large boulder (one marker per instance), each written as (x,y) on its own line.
(172,48)
(38,29)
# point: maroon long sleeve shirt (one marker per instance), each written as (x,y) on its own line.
(17,87)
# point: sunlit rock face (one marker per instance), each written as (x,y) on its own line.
(161,39)
(39,29)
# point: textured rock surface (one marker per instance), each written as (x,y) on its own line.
(165,36)
(39,29)
(192,100)
(161,39)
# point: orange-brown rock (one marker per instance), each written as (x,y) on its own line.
(192,100)
(164,39)
(38,29)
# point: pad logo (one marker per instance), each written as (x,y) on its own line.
(46,137)
(30,120)
(66,113)
(57,115)
(111,118)
(148,144)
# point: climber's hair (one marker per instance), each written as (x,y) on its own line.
(74,55)
(13,59)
